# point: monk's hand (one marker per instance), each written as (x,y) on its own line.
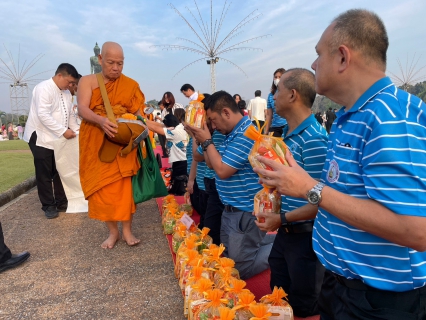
(109,128)
(200,135)
(69,134)
(268,221)
(291,181)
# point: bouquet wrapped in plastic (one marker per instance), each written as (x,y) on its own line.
(272,148)
(278,305)
(233,291)
(205,239)
(226,314)
(213,255)
(242,308)
(178,237)
(197,273)
(195,113)
(196,296)
(222,278)
(209,310)
(267,200)
(260,311)
(187,208)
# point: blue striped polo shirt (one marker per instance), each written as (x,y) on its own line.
(277,121)
(217,138)
(376,150)
(308,145)
(201,169)
(189,155)
(239,189)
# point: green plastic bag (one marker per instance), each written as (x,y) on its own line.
(148,182)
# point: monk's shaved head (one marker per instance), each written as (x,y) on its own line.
(109,47)
(111,60)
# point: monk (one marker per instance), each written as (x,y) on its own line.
(108,186)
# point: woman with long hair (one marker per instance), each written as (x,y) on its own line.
(169,103)
(275,122)
(237,98)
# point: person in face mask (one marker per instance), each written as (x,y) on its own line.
(275,123)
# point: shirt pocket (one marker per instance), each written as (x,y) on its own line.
(344,170)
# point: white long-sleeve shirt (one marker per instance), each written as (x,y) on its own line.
(50,114)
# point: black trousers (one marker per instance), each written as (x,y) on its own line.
(295,268)
(49,186)
(328,126)
(214,209)
(276,131)
(5,253)
(347,303)
(197,201)
(162,140)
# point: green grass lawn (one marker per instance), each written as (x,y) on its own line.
(13,145)
(15,167)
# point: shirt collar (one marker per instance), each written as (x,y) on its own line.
(193,96)
(376,88)
(240,126)
(53,84)
(301,127)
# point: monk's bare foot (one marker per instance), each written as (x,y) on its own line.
(131,240)
(109,243)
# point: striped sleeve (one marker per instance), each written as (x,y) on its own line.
(270,104)
(237,152)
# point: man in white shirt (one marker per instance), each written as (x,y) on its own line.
(257,108)
(48,120)
(189,92)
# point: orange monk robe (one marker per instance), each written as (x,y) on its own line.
(108,186)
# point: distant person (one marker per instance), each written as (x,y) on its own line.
(169,103)
(48,120)
(189,92)
(275,122)
(7,259)
(177,140)
(257,109)
(10,131)
(3,127)
(330,116)
(159,119)
(319,117)
(237,98)
(20,131)
(242,106)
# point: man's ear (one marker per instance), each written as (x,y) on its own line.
(293,95)
(226,112)
(344,55)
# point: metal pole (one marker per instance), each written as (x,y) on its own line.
(213,75)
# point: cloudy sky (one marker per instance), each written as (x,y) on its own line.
(66,31)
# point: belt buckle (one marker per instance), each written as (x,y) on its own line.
(288,228)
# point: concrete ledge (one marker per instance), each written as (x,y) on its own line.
(17,190)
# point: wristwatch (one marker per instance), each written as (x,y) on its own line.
(314,195)
(206,143)
(283,218)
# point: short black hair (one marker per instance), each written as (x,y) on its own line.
(242,104)
(206,96)
(67,69)
(257,93)
(179,113)
(219,100)
(171,121)
(160,102)
(303,81)
(186,86)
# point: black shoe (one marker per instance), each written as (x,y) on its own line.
(14,261)
(62,208)
(51,213)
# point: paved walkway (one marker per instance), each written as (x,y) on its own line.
(69,276)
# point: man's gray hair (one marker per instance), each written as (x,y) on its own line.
(303,81)
(361,30)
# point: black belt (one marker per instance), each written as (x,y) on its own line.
(229,208)
(307,226)
(355,284)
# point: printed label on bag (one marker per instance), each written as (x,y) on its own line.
(187,221)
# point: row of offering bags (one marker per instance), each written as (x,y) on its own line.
(210,284)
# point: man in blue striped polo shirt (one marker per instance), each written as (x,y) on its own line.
(294,265)
(370,229)
(237,185)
